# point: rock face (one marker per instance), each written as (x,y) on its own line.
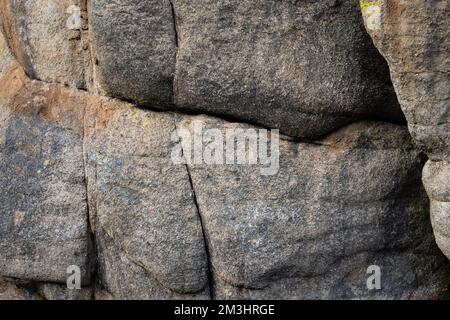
(122,278)
(148,207)
(310,231)
(147,230)
(305,67)
(43,215)
(413,37)
(141,203)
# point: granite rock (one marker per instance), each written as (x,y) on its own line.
(333,209)
(134,45)
(413,37)
(142,202)
(305,67)
(46,37)
(43,209)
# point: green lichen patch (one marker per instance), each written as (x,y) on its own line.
(365,4)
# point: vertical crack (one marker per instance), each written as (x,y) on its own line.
(86,45)
(85,39)
(202,225)
(205,237)
(93,261)
(174,17)
(175,29)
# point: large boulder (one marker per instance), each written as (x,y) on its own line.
(305,67)
(122,277)
(48,38)
(312,230)
(413,37)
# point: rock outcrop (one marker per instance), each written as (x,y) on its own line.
(64,152)
(305,68)
(102,166)
(413,37)
(168,231)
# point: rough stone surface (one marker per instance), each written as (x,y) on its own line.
(91,181)
(334,208)
(142,222)
(43,212)
(52,291)
(436,177)
(46,38)
(6,57)
(122,278)
(9,291)
(413,37)
(22,290)
(135,48)
(142,202)
(306,67)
